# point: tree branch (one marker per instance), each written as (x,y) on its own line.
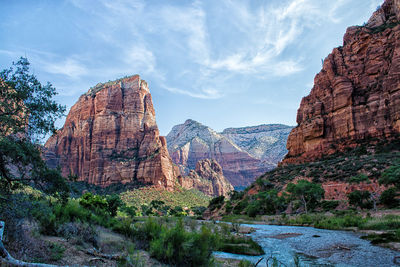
(5,257)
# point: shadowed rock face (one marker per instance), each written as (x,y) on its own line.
(190,142)
(111,136)
(356,95)
(207,178)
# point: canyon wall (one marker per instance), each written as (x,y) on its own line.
(110,136)
(356,95)
(190,142)
(208,178)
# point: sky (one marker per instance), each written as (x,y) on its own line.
(225,63)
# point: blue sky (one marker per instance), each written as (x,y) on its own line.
(223,63)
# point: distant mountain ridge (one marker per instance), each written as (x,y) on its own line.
(266,142)
(239,151)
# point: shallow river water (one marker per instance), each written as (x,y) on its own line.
(315,247)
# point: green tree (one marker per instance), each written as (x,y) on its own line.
(27,114)
(308,193)
(388,197)
(114,202)
(360,199)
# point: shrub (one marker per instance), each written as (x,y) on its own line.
(388,198)
(93,202)
(240,206)
(391,176)
(253,209)
(328,205)
(199,210)
(359,178)
(113,203)
(216,203)
(360,199)
(175,245)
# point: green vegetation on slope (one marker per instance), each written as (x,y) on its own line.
(173,240)
(296,188)
(182,198)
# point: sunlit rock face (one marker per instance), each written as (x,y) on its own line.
(111,136)
(356,95)
(190,142)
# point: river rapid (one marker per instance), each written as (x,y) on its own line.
(315,247)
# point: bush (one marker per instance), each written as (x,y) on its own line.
(360,199)
(388,198)
(253,209)
(240,206)
(216,203)
(391,176)
(93,202)
(175,245)
(328,205)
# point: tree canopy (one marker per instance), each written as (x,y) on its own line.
(308,193)
(27,113)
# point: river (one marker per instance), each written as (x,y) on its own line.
(315,247)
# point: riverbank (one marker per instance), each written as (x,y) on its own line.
(315,247)
(381,227)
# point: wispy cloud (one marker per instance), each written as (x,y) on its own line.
(140,58)
(68,67)
(205,94)
(198,45)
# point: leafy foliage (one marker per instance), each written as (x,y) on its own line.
(391,176)
(27,112)
(216,202)
(26,105)
(308,193)
(360,199)
(388,197)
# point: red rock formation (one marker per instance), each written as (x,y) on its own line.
(111,136)
(207,178)
(356,95)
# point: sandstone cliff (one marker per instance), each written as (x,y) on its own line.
(356,96)
(207,178)
(264,142)
(190,142)
(111,136)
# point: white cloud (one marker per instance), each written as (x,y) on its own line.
(190,21)
(204,94)
(68,67)
(264,33)
(140,58)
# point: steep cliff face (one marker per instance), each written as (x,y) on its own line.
(207,178)
(111,136)
(264,142)
(356,96)
(190,142)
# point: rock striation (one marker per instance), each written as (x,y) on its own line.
(264,142)
(111,136)
(190,142)
(208,178)
(356,96)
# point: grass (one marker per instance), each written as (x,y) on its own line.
(183,198)
(56,252)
